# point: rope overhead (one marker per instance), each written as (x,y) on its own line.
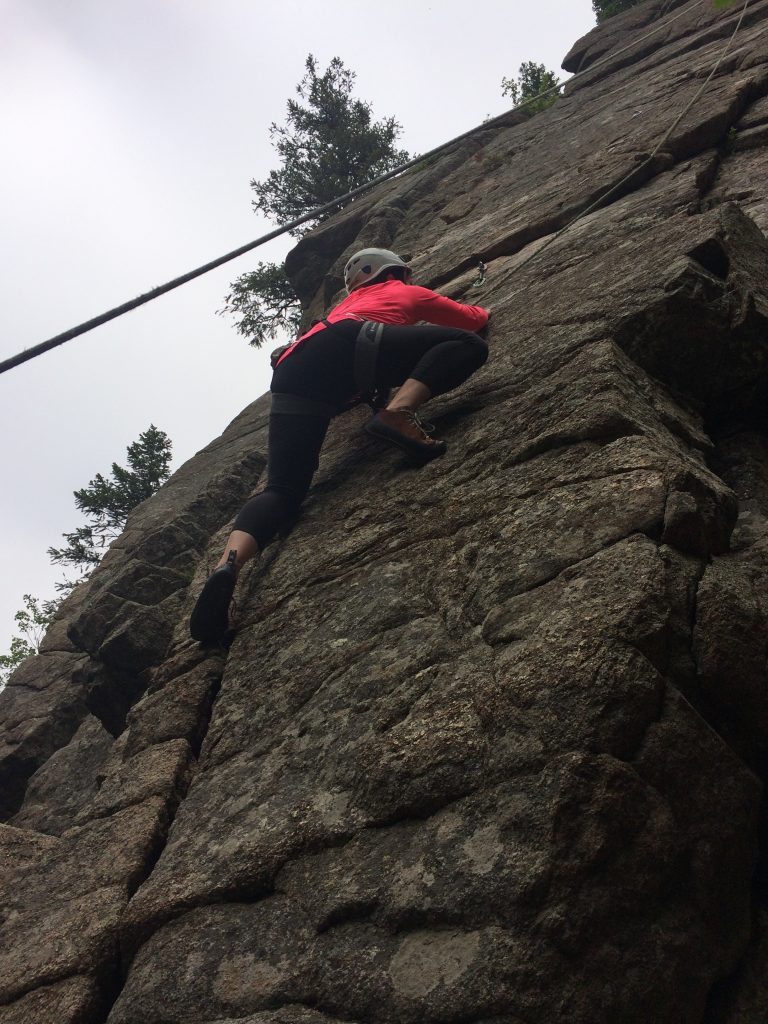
(141,300)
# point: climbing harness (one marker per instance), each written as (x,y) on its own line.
(320,211)
(297,405)
(366,354)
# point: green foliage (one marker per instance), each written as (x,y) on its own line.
(107,502)
(265,303)
(329,145)
(605,9)
(532,80)
(32,621)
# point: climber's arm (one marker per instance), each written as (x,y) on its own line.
(439,309)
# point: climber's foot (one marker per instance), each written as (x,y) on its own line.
(402,427)
(209,621)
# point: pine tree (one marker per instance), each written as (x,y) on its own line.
(107,502)
(265,302)
(329,145)
(608,8)
(532,80)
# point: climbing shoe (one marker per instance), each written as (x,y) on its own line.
(402,427)
(209,621)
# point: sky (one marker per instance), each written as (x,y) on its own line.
(130,134)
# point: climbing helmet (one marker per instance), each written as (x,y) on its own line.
(367,264)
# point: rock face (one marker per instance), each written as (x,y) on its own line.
(488,745)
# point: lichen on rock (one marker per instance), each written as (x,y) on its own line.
(489,742)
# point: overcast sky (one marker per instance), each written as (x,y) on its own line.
(130,132)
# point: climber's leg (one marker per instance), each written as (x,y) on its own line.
(440,358)
(410,395)
(245,547)
(433,360)
(294,451)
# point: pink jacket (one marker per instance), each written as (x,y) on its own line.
(394,302)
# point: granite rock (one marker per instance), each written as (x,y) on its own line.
(488,743)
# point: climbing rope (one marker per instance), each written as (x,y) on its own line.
(126,307)
(649,159)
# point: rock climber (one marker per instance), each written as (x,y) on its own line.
(367,343)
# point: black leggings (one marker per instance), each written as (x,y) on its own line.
(322,369)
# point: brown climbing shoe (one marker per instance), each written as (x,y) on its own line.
(402,427)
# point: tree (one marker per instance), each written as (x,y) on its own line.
(32,621)
(533,79)
(329,145)
(265,302)
(107,503)
(608,8)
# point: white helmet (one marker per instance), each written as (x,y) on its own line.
(367,264)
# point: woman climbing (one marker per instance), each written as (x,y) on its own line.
(367,343)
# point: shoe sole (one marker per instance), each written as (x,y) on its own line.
(209,621)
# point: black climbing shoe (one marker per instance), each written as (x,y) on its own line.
(209,621)
(402,427)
